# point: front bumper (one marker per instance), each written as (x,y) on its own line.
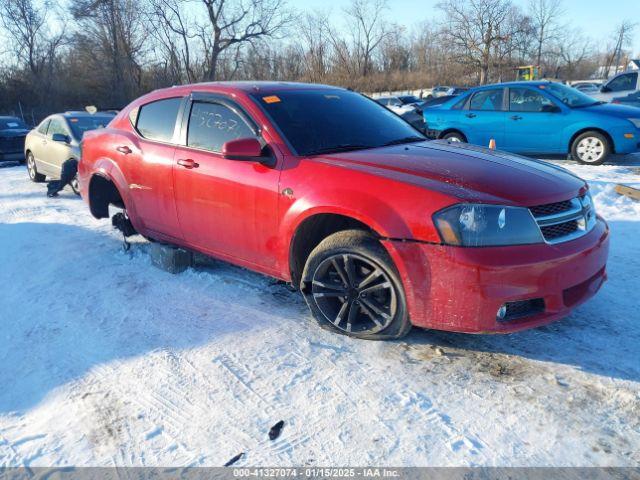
(461,289)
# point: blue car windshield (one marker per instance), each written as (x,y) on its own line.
(569,96)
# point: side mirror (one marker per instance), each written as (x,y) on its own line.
(605,89)
(551,109)
(61,137)
(242,149)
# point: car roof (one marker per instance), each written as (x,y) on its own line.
(251,86)
(83,114)
(531,83)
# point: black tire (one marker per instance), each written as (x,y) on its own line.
(590,148)
(455,137)
(352,287)
(32,170)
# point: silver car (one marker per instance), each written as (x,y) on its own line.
(56,140)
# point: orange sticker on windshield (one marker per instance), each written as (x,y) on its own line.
(271,99)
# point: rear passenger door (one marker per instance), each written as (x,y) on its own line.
(484,117)
(149,165)
(226,207)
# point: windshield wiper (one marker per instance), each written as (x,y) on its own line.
(347,147)
(400,141)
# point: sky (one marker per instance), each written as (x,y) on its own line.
(596,21)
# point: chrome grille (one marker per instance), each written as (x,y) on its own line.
(11,144)
(564,221)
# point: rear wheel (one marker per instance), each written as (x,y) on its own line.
(590,148)
(352,287)
(32,169)
(454,137)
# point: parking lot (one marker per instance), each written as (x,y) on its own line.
(107,360)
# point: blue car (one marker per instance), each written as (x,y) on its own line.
(537,118)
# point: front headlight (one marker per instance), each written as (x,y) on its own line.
(477,225)
(635,121)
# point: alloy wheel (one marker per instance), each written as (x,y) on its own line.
(354,294)
(31,167)
(590,149)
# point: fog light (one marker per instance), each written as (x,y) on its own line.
(502,312)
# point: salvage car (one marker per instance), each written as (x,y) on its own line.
(57,139)
(12,134)
(538,118)
(324,188)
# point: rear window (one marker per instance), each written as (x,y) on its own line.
(157,120)
(79,125)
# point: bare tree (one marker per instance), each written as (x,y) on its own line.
(368,31)
(623,36)
(113,32)
(315,46)
(175,33)
(545,15)
(234,23)
(474,29)
(573,49)
(28,26)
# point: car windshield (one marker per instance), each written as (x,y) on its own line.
(329,121)
(569,96)
(12,124)
(82,124)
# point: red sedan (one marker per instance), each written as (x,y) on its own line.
(324,188)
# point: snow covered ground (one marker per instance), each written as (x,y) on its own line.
(106,360)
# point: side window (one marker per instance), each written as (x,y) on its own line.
(527,100)
(628,81)
(213,124)
(43,126)
(487,100)
(459,105)
(157,120)
(56,126)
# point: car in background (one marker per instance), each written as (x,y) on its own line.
(395,105)
(409,99)
(622,84)
(587,87)
(410,111)
(538,117)
(379,228)
(12,134)
(437,91)
(631,100)
(453,91)
(432,102)
(57,139)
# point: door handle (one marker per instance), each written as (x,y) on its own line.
(470,115)
(124,149)
(516,117)
(188,163)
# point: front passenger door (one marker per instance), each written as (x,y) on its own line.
(56,153)
(226,207)
(534,123)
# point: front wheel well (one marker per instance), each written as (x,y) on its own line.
(599,130)
(102,193)
(452,130)
(311,232)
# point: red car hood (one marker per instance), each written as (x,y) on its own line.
(467,172)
